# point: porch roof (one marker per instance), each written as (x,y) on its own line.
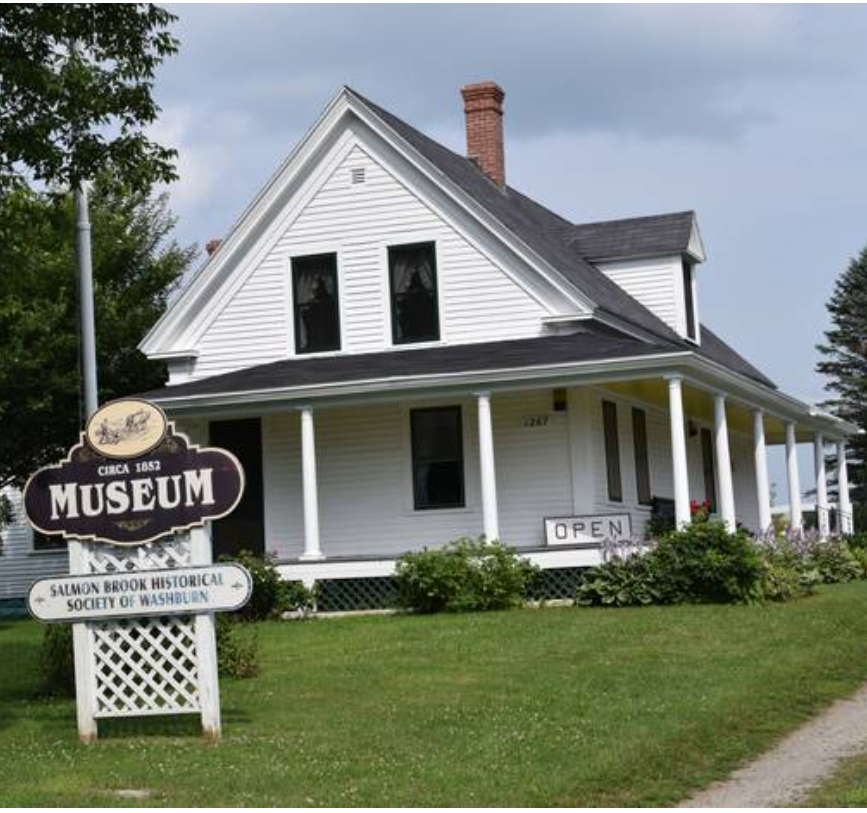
(428,361)
(591,344)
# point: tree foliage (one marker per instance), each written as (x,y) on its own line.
(136,265)
(845,364)
(69,113)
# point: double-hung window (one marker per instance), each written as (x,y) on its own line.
(316,303)
(708,467)
(612,451)
(437,458)
(412,275)
(642,459)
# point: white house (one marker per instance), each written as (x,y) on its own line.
(402,350)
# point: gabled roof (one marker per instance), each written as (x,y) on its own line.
(634,237)
(539,228)
(555,242)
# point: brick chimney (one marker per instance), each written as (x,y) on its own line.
(483,107)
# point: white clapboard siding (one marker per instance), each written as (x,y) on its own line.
(479,302)
(657,283)
(20,565)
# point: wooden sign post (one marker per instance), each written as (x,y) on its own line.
(132,499)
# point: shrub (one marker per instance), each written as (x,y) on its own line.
(237,647)
(465,575)
(835,562)
(704,562)
(785,580)
(621,582)
(56,660)
(271,593)
(857,541)
(860,555)
(301,598)
(662,518)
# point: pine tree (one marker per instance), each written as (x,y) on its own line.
(845,366)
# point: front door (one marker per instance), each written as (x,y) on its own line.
(244,528)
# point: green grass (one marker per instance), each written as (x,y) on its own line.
(544,707)
(847,788)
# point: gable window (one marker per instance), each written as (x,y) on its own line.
(317,309)
(437,458)
(689,300)
(642,461)
(612,451)
(707,466)
(412,273)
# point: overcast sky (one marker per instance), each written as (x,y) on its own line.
(756,117)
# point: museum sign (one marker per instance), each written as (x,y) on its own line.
(131,480)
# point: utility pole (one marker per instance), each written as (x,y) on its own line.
(85,301)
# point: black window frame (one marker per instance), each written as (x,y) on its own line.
(689,301)
(641,450)
(296,269)
(708,466)
(611,436)
(393,296)
(48,543)
(417,462)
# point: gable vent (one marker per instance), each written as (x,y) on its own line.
(356,175)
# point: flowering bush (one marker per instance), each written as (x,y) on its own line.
(700,511)
(705,563)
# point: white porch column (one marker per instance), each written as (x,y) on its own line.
(312,549)
(822,517)
(795,513)
(844,507)
(724,462)
(760,456)
(490,515)
(678,451)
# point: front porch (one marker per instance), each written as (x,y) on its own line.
(339,476)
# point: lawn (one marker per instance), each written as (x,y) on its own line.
(847,788)
(533,707)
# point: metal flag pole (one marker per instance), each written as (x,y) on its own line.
(85,301)
(78,555)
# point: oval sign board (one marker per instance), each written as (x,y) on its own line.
(153,484)
(181,590)
(126,429)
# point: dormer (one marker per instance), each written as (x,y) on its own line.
(654,259)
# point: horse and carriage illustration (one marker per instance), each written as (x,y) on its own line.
(133,426)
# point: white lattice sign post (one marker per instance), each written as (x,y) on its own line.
(132,498)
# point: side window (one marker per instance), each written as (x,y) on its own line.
(316,303)
(612,451)
(437,458)
(707,464)
(689,300)
(412,275)
(642,460)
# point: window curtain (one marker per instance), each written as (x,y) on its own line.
(414,288)
(315,302)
